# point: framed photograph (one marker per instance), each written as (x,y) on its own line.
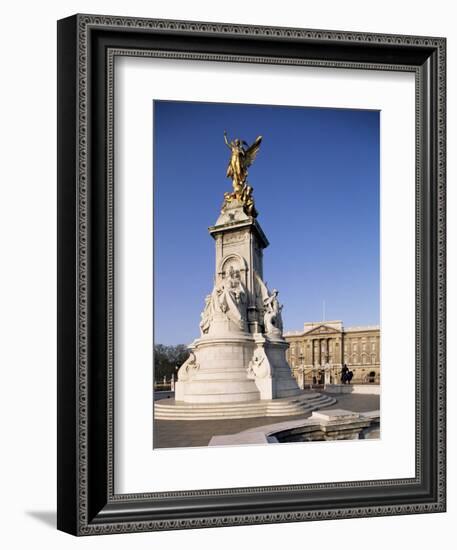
(251,300)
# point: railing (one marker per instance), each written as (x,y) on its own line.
(161,386)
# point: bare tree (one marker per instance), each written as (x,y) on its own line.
(167,360)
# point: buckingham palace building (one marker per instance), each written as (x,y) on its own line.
(324,347)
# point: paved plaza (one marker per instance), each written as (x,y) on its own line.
(197,433)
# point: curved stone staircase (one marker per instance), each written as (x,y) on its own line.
(168,409)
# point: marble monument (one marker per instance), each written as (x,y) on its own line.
(239,360)
(241,353)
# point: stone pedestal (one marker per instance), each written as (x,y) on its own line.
(217,372)
(240,356)
(270,370)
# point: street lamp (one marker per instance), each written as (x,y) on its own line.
(302,371)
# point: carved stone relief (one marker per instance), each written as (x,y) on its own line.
(189,368)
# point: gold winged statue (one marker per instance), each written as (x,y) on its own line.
(242,156)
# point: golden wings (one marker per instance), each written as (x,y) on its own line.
(250,152)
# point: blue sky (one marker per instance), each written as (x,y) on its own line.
(316,187)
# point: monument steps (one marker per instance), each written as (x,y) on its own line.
(278,407)
(271,404)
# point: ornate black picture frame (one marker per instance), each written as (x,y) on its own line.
(87,46)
